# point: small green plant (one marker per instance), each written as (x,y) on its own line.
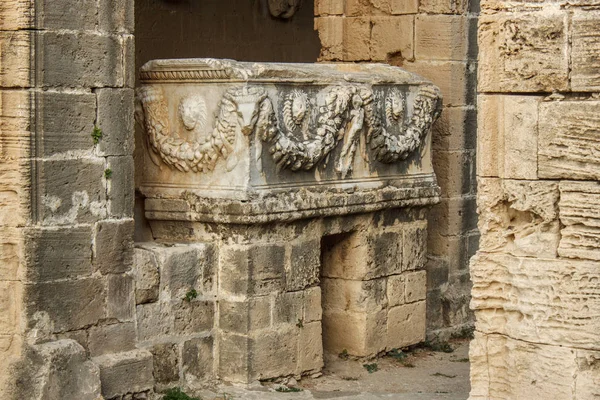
(177,394)
(191,295)
(108,173)
(96,134)
(349,378)
(398,355)
(371,367)
(408,364)
(344,354)
(300,323)
(285,389)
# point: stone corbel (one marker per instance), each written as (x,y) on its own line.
(284,9)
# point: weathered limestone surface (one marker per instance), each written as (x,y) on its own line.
(523,52)
(535,292)
(569,147)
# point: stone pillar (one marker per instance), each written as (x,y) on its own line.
(66,227)
(535,278)
(310,185)
(438,40)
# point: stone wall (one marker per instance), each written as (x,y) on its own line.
(66,226)
(436,39)
(535,277)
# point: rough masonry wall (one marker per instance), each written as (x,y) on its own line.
(436,39)
(66,197)
(535,277)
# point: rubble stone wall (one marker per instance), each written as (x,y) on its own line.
(535,277)
(435,39)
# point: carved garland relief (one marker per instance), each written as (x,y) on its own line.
(309,127)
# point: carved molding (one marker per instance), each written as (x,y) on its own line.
(301,135)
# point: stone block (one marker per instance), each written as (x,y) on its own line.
(121,187)
(502,367)
(555,296)
(147,277)
(406,325)
(115,338)
(61,302)
(404,7)
(386,254)
(313,310)
(197,362)
(414,246)
(416,286)
(392,37)
(113,246)
(523,52)
(274,353)
(234,357)
(193,316)
(15,15)
(245,316)
(329,7)
(366,338)
(310,348)
(71,191)
(579,209)
(508,136)
(15,53)
(154,320)
(331,35)
(129,372)
(165,360)
(451,77)
(121,297)
(354,296)
(568,145)
(58,14)
(186,267)
(585,39)
(288,308)
(441,37)
(336,335)
(116,16)
(65,122)
(115,118)
(62,371)
(80,60)
(395,290)
(255,269)
(356,43)
(305,265)
(519,217)
(456,129)
(49,257)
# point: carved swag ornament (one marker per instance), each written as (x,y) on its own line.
(307,130)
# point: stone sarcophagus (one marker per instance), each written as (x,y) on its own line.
(282,140)
(292,199)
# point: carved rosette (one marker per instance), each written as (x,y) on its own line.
(305,130)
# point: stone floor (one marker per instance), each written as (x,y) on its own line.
(422,375)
